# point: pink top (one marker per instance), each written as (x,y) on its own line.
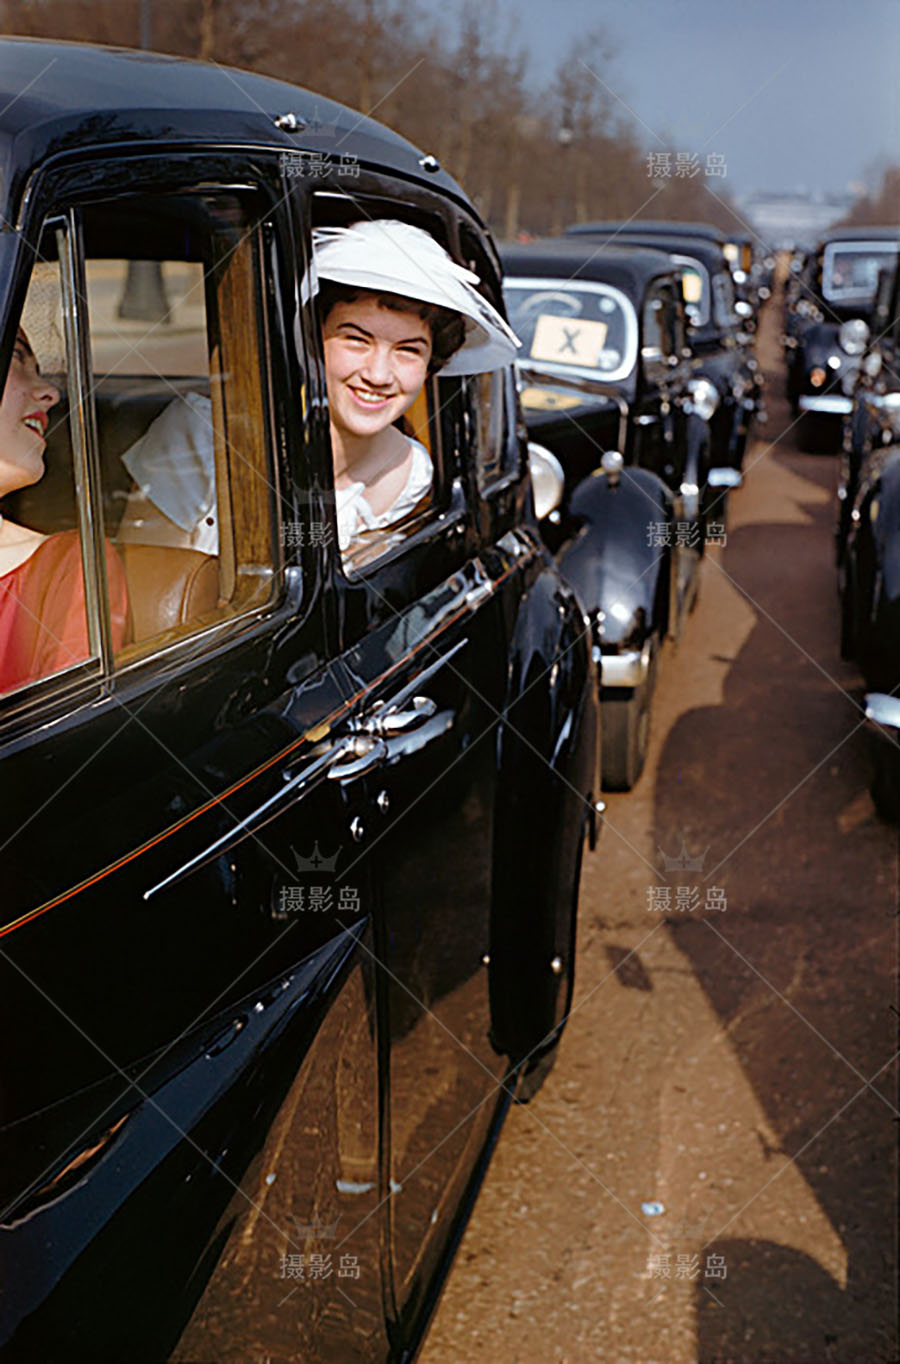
(43,624)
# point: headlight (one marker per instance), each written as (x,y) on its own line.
(704,398)
(853,336)
(547,479)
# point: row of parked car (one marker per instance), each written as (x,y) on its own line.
(291,854)
(639,379)
(842,347)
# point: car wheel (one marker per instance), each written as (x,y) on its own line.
(625,725)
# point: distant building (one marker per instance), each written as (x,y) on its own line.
(785,220)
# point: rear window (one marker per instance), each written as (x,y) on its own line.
(850,269)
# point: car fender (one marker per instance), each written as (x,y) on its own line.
(548,765)
(619,562)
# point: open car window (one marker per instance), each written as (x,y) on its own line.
(367,527)
(573,327)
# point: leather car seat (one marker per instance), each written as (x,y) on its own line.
(168,588)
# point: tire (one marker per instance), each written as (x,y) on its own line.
(625,725)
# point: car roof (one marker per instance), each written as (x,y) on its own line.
(57,96)
(708,253)
(861,234)
(627,268)
(638,227)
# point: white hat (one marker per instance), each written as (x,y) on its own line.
(391,257)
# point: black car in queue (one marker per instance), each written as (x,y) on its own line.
(867,534)
(721,347)
(291,846)
(737,248)
(829,316)
(606,383)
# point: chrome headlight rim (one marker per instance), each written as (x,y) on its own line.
(853,336)
(704,397)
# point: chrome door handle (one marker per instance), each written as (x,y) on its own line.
(323,758)
(363,753)
(385,720)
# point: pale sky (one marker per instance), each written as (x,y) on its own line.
(793,93)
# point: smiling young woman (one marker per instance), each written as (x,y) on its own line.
(395,308)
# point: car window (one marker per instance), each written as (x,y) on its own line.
(578,327)
(695,287)
(157,511)
(365,533)
(48,628)
(492,425)
(177,374)
(850,269)
(723,300)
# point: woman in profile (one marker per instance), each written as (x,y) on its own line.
(43,622)
(395,308)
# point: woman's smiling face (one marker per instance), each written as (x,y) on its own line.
(26,400)
(376,361)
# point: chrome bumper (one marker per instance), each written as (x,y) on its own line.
(825,402)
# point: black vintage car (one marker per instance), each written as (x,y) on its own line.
(722,348)
(606,381)
(291,847)
(828,319)
(737,248)
(868,534)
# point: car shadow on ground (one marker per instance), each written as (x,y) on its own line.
(799,961)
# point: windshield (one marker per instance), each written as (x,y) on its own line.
(572,326)
(850,269)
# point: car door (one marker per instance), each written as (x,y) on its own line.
(178,927)
(424,624)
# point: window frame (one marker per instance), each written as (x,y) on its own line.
(449,508)
(59,193)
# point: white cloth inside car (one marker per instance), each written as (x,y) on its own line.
(354,515)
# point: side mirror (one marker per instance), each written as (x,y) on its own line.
(547,479)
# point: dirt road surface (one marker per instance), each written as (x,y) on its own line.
(731,1056)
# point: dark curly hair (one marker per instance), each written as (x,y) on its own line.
(448,331)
